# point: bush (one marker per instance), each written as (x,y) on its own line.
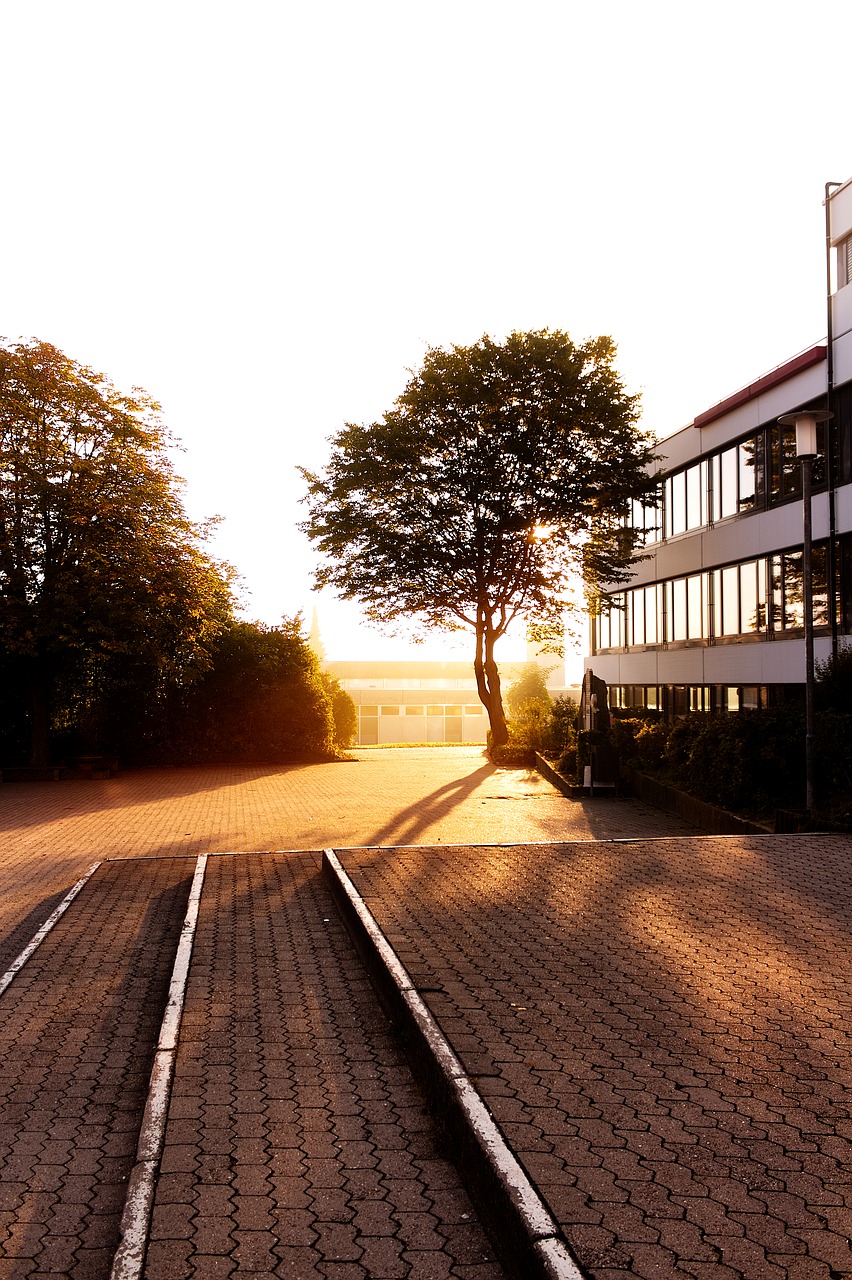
(512,756)
(530,727)
(563,725)
(343,710)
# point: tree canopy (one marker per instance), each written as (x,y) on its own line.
(99,563)
(502,472)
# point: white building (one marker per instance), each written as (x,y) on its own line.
(713,618)
(422,701)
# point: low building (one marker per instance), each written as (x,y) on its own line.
(713,619)
(433,702)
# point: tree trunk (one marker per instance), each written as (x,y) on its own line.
(488,681)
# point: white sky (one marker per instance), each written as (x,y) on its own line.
(265,212)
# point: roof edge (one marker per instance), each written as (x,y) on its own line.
(804,360)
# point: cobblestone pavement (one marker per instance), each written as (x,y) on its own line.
(51,832)
(662,1030)
(77,1033)
(297,1144)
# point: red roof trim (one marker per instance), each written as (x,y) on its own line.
(784,371)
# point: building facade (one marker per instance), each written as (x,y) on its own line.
(431,702)
(713,619)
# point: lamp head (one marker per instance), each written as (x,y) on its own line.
(806,423)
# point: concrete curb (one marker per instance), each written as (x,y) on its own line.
(531,1244)
(129,1260)
(36,941)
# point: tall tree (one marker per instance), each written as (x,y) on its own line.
(502,472)
(98,559)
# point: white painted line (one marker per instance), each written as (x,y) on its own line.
(129,1259)
(542,1229)
(36,941)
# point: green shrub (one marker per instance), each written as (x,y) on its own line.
(563,725)
(529,727)
(512,756)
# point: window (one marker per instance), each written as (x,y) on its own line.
(750,467)
(687,608)
(610,623)
(726,474)
(752,596)
(677,609)
(676,504)
(844,262)
(652,627)
(696,483)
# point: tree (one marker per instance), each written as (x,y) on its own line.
(263,698)
(343,710)
(529,686)
(501,472)
(99,565)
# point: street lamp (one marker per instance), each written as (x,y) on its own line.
(806,450)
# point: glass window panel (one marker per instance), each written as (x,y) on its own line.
(415,711)
(677,503)
(819,586)
(654,519)
(678,609)
(786,468)
(390,711)
(435,711)
(695,616)
(616,622)
(749,612)
(748,464)
(794,613)
(726,501)
(637,609)
(369,711)
(694,505)
(727,602)
(776,585)
(652,627)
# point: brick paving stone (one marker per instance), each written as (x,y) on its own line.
(301,1144)
(684,1005)
(53,831)
(93,993)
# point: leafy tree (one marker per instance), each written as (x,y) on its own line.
(502,472)
(529,686)
(343,710)
(263,698)
(99,565)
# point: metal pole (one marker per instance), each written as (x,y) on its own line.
(807,602)
(830,435)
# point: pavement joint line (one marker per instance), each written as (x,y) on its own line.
(129,1259)
(39,937)
(550,1252)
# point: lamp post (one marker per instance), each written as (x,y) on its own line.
(806,450)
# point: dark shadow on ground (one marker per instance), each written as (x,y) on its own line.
(409,823)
